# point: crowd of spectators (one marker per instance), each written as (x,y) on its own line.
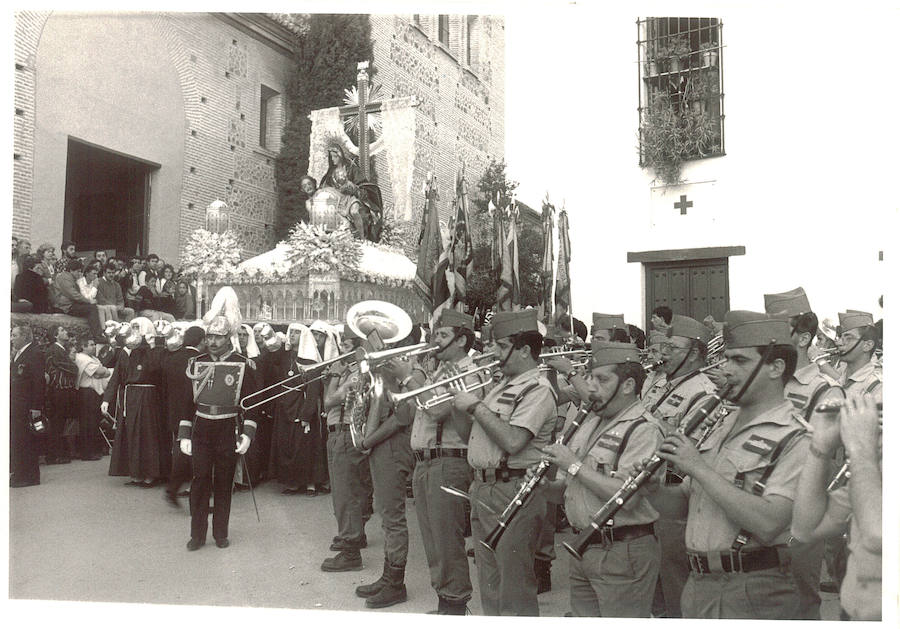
(98,289)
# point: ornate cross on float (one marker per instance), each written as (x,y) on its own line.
(360,110)
(683,204)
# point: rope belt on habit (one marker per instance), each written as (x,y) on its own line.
(732,561)
(502,475)
(608,534)
(437,453)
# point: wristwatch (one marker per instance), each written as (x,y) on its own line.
(406,381)
(573,469)
(571,374)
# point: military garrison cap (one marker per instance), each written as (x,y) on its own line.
(854,319)
(688,328)
(608,321)
(508,323)
(790,303)
(609,353)
(450,318)
(754,329)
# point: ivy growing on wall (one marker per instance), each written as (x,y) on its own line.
(325,65)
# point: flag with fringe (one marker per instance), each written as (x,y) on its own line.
(563,283)
(508,293)
(433,260)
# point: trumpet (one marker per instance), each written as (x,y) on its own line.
(456,381)
(828,354)
(250,401)
(583,357)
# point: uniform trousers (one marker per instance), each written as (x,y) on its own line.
(506,578)
(442,520)
(23,448)
(615,580)
(213,462)
(391,462)
(769,594)
(345,466)
(62,404)
(674,567)
(181,467)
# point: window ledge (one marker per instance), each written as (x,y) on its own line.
(440,46)
(261,150)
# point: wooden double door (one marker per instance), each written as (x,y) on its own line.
(695,288)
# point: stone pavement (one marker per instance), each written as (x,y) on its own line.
(84,536)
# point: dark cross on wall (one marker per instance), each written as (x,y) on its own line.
(683,204)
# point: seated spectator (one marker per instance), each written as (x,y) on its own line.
(100,256)
(67,249)
(185,307)
(109,295)
(46,255)
(87,283)
(65,297)
(163,289)
(135,286)
(29,291)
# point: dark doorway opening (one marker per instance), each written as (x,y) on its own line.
(107,200)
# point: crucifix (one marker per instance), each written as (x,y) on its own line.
(361,109)
(683,204)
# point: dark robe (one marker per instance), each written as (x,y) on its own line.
(62,398)
(258,456)
(142,445)
(31,287)
(177,395)
(295,446)
(26,393)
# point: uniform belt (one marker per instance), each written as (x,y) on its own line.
(338,427)
(502,475)
(209,411)
(138,384)
(609,534)
(733,561)
(436,453)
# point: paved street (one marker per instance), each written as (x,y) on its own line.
(84,536)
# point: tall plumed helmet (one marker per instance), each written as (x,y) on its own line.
(124,329)
(163,327)
(110,328)
(224,315)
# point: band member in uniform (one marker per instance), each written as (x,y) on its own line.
(617,575)
(680,388)
(821,514)
(655,341)
(345,464)
(391,461)
(221,378)
(26,394)
(807,389)
(512,424)
(857,343)
(440,437)
(742,483)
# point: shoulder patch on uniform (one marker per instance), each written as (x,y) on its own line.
(799,401)
(759,445)
(675,399)
(610,442)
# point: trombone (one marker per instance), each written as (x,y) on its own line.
(377,359)
(451,381)
(250,402)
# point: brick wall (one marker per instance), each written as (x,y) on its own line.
(461,110)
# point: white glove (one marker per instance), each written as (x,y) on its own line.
(185,445)
(243,445)
(104,406)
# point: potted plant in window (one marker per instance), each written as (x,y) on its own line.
(671,52)
(709,54)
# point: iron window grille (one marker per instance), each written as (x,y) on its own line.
(680,74)
(444,30)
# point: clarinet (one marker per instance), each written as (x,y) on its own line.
(843,474)
(515,505)
(633,483)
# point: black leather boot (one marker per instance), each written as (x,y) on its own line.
(394,590)
(365,591)
(451,608)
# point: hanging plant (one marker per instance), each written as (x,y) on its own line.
(210,256)
(312,249)
(670,135)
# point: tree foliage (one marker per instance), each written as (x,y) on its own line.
(325,65)
(482,285)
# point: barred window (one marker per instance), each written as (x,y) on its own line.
(681,97)
(470,40)
(444,30)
